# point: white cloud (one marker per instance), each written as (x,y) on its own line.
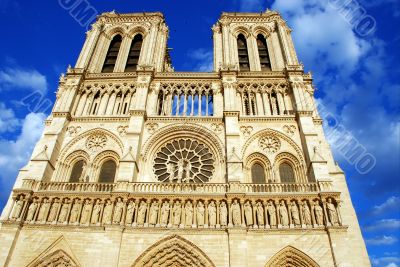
(385,261)
(391,204)
(14,154)
(392,264)
(8,121)
(381,240)
(15,77)
(385,224)
(204,60)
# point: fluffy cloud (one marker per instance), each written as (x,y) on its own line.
(203,58)
(381,240)
(28,79)
(388,261)
(14,154)
(385,224)
(8,121)
(391,204)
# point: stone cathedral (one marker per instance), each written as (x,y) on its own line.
(141,165)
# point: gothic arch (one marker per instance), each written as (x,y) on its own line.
(291,257)
(293,161)
(57,258)
(261,159)
(138,29)
(114,30)
(241,30)
(173,251)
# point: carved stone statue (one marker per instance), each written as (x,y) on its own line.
(171,171)
(87,210)
(177,213)
(200,213)
(332,213)
(319,213)
(223,214)
(295,214)
(181,169)
(306,213)
(153,213)
(96,212)
(142,213)
(188,167)
(31,211)
(76,207)
(19,204)
(271,213)
(236,216)
(165,213)
(82,178)
(283,214)
(260,213)
(44,209)
(248,213)
(108,212)
(212,214)
(63,217)
(119,210)
(130,212)
(54,210)
(188,213)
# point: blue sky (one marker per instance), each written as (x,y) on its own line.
(356,77)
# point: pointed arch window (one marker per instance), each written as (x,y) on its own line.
(112,54)
(257,173)
(77,171)
(107,172)
(286,173)
(263,53)
(243,53)
(134,53)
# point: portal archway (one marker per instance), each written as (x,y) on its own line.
(173,251)
(291,257)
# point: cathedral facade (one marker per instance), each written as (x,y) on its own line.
(140,165)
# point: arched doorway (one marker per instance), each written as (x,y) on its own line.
(291,257)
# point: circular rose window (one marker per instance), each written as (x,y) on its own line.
(184,161)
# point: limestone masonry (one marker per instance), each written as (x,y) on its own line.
(140,165)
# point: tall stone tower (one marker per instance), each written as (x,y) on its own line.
(140,165)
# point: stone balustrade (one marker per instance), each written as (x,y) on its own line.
(210,188)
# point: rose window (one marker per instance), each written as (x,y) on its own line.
(96,142)
(184,161)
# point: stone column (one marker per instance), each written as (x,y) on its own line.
(146,222)
(229,206)
(266,218)
(136,213)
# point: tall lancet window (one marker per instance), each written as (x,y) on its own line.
(263,53)
(286,173)
(134,53)
(244,64)
(107,172)
(112,54)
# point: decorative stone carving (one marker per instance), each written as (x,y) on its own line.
(155,206)
(246,130)
(142,213)
(19,204)
(118,211)
(96,212)
(319,213)
(31,211)
(223,214)
(83,178)
(217,127)
(188,213)
(122,130)
(332,213)
(200,213)
(62,218)
(164,214)
(269,143)
(306,213)
(294,211)
(86,211)
(43,211)
(108,212)
(289,129)
(248,213)
(212,214)
(96,142)
(283,214)
(272,213)
(236,216)
(151,127)
(260,214)
(73,130)
(54,211)
(177,213)
(76,207)
(130,212)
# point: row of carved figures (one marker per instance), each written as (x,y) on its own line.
(178,213)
